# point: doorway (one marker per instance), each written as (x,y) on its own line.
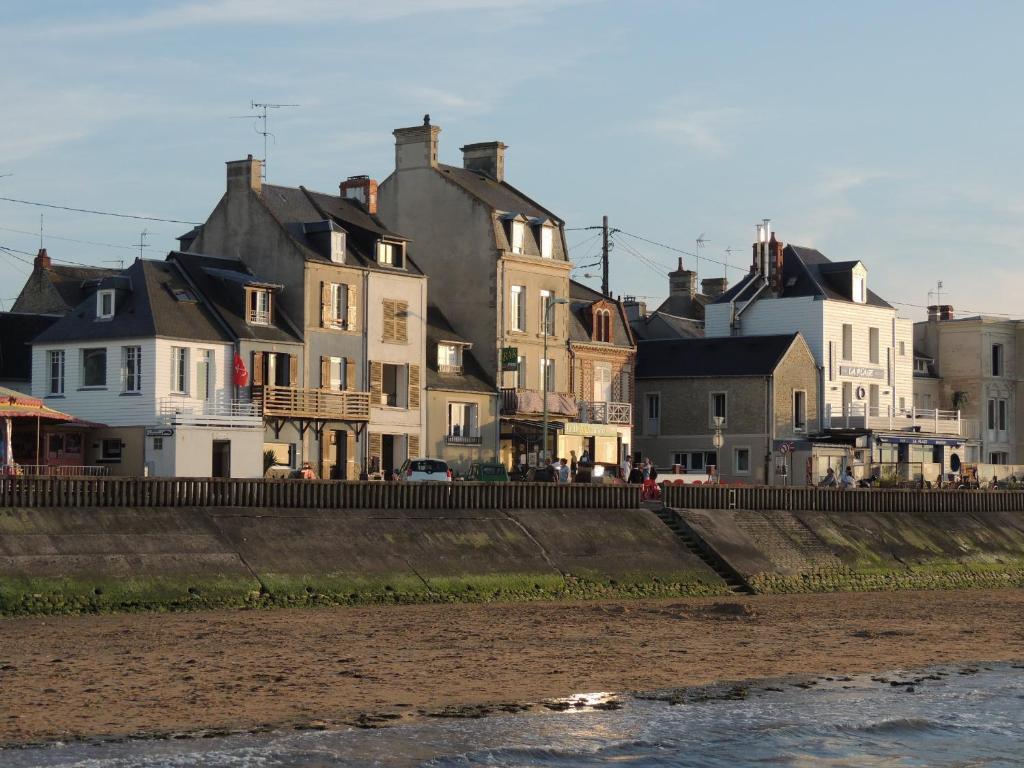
(337,456)
(387,449)
(602,383)
(221,458)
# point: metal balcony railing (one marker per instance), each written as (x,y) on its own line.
(448,368)
(463,439)
(863,416)
(605,412)
(213,413)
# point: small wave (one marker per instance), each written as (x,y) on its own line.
(899,725)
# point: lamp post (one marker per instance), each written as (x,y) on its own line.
(552,301)
(718,441)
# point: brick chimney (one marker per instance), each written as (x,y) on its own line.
(713,287)
(940,312)
(42,260)
(245,173)
(363,189)
(682,282)
(416,147)
(485,156)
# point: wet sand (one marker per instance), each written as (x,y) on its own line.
(109,676)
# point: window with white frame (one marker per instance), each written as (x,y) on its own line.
(449,358)
(104,304)
(547,313)
(259,306)
(847,341)
(204,374)
(1002,415)
(56,359)
(799,410)
(131,369)
(741,461)
(517,308)
(517,236)
(860,289)
(546,241)
(179,370)
(94,367)
(462,421)
(718,408)
(547,374)
(389,254)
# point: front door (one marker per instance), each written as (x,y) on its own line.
(221,458)
(387,449)
(339,455)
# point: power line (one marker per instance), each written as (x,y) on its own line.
(684,252)
(98,213)
(69,239)
(966,311)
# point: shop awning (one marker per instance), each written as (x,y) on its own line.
(919,440)
(17,405)
(537,424)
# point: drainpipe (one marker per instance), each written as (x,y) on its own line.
(365,452)
(499,373)
(735,321)
(821,397)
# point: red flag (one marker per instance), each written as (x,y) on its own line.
(241,375)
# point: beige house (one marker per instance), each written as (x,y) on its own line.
(501,272)
(462,403)
(763,389)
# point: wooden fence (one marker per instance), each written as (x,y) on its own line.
(308,494)
(838,500)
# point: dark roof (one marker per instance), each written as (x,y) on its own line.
(58,288)
(473,378)
(720,356)
(221,283)
(581,299)
(145,306)
(16,334)
(684,306)
(805,272)
(499,195)
(662,325)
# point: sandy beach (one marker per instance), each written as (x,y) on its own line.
(118,675)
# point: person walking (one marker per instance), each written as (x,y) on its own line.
(522,464)
(573,464)
(647,468)
(829,481)
(585,457)
(563,472)
(636,476)
(848,481)
(624,468)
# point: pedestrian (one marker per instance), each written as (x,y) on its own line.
(636,476)
(624,468)
(522,464)
(585,457)
(848,481)
(563,472)
(829,481)
(573,463)
(646,468)
(307,473)
(653,473)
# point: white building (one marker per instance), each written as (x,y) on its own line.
(863,349)
(143,358)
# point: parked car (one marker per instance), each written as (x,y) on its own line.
(425,471)
(488,473)
(541,475)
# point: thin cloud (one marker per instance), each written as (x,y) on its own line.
(703,130)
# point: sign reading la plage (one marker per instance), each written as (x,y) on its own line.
(859,372)
(510,358)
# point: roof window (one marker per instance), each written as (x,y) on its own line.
(104,304)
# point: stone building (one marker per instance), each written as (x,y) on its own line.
(681,315)
(56,289)
(764,389)
(500,273)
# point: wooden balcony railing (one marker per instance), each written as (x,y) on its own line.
(301,403)
(604,412)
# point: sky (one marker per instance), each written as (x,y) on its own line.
(884,132)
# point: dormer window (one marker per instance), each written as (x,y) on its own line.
(602,330)
(259,304)
(389,254)
(859,286)
(104,305)
(337,247)
(516,241)
(546,241)
(449,358)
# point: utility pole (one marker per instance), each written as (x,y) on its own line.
(604,256)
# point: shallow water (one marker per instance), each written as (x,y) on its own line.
(974,719)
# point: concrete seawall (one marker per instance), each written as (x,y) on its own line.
(61,560)
(852,551)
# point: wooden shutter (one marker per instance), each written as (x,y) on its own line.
(414,446)
(376,383)
(389,319)
(353,314)
(293,370)
(325,372)
(401,321)
(350,374)
(375,448)
(350,456)
(325,305)
(258,367)
(414,386)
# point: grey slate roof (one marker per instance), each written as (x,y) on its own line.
(720,356)
(473,378)
(145,307)
(16,334)
(57,289)
(581,298)
(805,272)
(221,284)
(499,195)
(662,325)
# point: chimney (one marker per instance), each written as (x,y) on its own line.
(775,264)
(363,189)
(42,260)
(940,312)
(486,156)
(245,173)
(713,287)
(416,147)
(682,282)
(634,309)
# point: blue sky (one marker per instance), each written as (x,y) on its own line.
(886,132)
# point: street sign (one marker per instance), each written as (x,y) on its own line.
(787,447)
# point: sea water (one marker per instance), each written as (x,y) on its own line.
(971,716)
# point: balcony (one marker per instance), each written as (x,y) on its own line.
(863,416)
(449,369)
(529,401)
(603,412)
(209,413)
(319,404)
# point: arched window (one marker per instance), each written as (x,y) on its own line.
(602,325)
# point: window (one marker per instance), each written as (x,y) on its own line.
(335,373)
(991,414)
(1002,415)
(799,410)
(394,390)
(110,450)
(920,365)
(602,325)
(873,351)
(653,412)
(699,461)
(546,241)
(903,349)
(547,374)
(999,457)
(94,367)
(517,236)
(389,254)
(339,305)
(847,341)
(718,409)
(516,308)
(131,367)
(104,305)
(449,358)
(462,422)
(873,400)
(903,405)
(259,303)
(179,370)
(56,371)
(547,314)
(847,398)
(396,314)
(741,461)
(158,443)
(860,289)
(997,359)
(204,374)
(521,380)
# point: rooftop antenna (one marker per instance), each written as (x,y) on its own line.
(142,241)
(729,251)
(40,231)
(260,125)
(937,293)
(701,242)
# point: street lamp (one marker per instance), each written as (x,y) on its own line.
(718,441)
(552,301)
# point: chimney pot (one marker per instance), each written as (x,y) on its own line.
(487,157)
(363,189)
(246,173)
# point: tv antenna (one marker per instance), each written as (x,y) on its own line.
(937,293)
(260,125)
(701,242)
(142,241)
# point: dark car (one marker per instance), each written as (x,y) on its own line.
(542,475)
(488,473)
